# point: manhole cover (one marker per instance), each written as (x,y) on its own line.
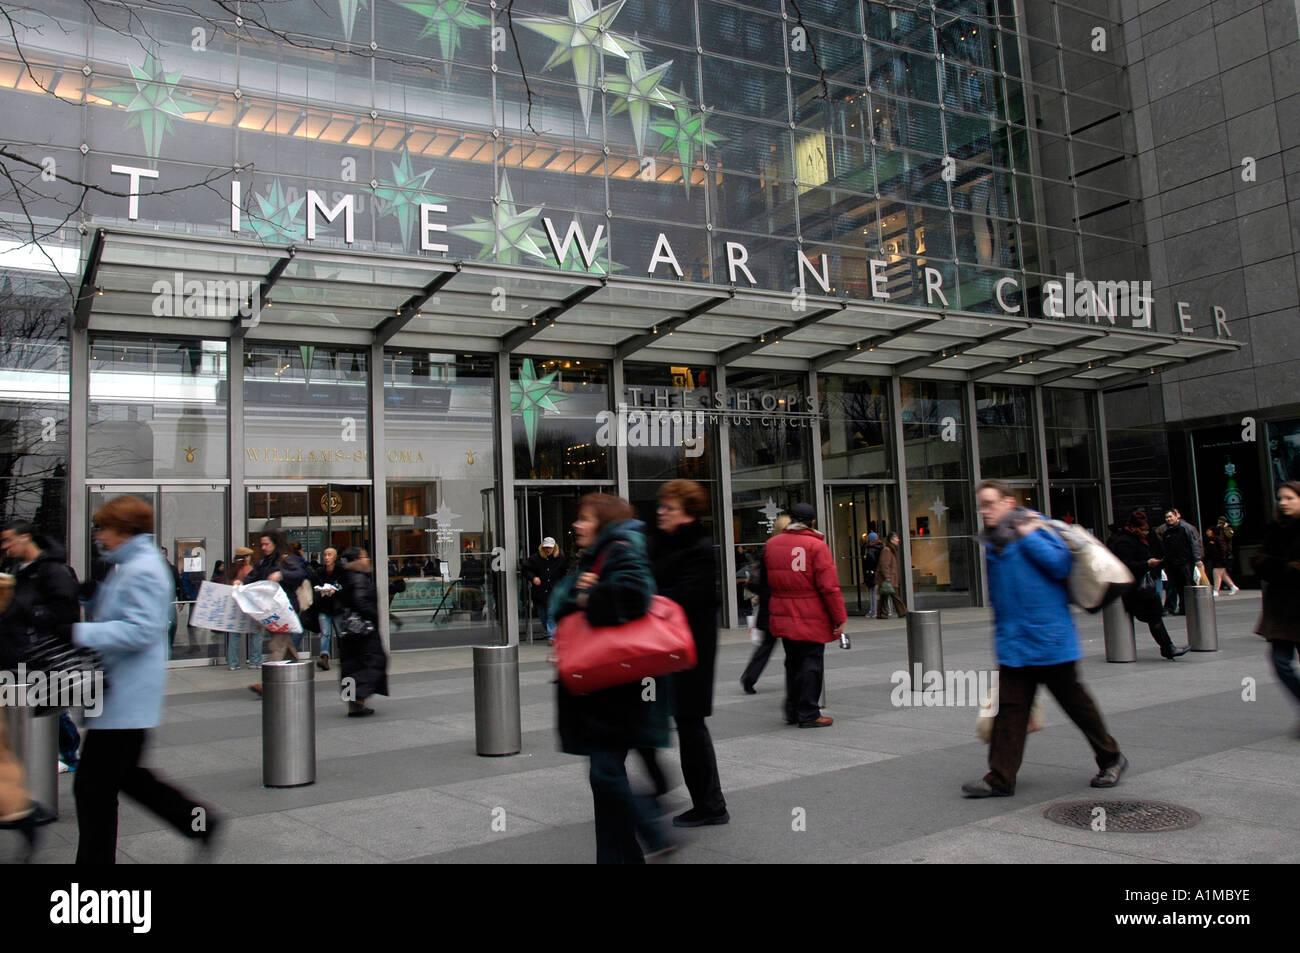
(1138,817)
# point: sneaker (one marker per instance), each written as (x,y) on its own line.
(64,767)
(1234,590)
(1109,777)
(698,818)
(748,687)
(982,788)
(1216,593)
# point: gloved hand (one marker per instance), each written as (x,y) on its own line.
(87,589)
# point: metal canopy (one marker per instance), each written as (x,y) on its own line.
(357,298)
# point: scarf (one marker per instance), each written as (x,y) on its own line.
(1001,535)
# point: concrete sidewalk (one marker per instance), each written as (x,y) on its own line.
(881,785)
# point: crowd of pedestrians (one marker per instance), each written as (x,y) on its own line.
(621,566)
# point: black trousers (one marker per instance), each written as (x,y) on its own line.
(1179,576)
(700,765)
(110,763)
(804,669)
(758,661)
(1016,689)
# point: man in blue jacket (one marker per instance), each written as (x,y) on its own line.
(1035,640)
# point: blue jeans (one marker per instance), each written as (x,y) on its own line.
(69,739)
(1284,654)
(328,626)
(233,642)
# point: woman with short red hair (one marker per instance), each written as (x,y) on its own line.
(130,635)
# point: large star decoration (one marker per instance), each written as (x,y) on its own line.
(530,397)
(152,101)
(402,195)
(637,91)
(580,40)
(277,217)
(771,511)
(509,234)
(938,508)
(684,132)
(445,19)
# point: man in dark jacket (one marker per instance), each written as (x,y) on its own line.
(806,611)
(686,572)
(543,570)
(45,591)
(1182,551)
(1140,600)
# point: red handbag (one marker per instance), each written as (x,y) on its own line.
(591,657)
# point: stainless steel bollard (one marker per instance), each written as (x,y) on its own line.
(496,700)
(288,724)
(924,645)
(1117,624)
(1202,626)
(35,742)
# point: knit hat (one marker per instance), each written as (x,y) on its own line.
(803,513)
(873,537)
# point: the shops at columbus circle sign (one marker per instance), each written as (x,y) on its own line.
(1098,300)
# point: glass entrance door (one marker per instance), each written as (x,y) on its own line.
(853,512)
(542,511)
(190,529)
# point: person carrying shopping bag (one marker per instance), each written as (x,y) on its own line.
(889,579)
(278,564)
(612,585)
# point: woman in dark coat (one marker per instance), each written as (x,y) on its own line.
(363,663)
(278,564)
(1140,601)
(611,585)
(1278,566)
(685,571)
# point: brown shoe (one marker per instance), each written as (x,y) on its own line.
(824,721)
(256,689)
(323,663)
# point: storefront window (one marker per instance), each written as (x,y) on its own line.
(770,422)
(440,444)
(305,412)
(556,407)
(34,433)
(158,409)
(1070,424)
(671,434)
(855,427)
(1004,417)
(938,493)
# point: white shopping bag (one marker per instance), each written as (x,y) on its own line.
(267,605)
(216,609)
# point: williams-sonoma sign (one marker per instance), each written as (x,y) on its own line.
(1095,300)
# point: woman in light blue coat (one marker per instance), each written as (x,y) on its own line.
(130,635)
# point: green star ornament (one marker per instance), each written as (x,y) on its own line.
(530,397)
(508,236)
(152,101)
(636,92)
(445,19)
(580,40)
(402,195)
(684,133)
(277,218)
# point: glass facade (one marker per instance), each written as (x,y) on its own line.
(306,358)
